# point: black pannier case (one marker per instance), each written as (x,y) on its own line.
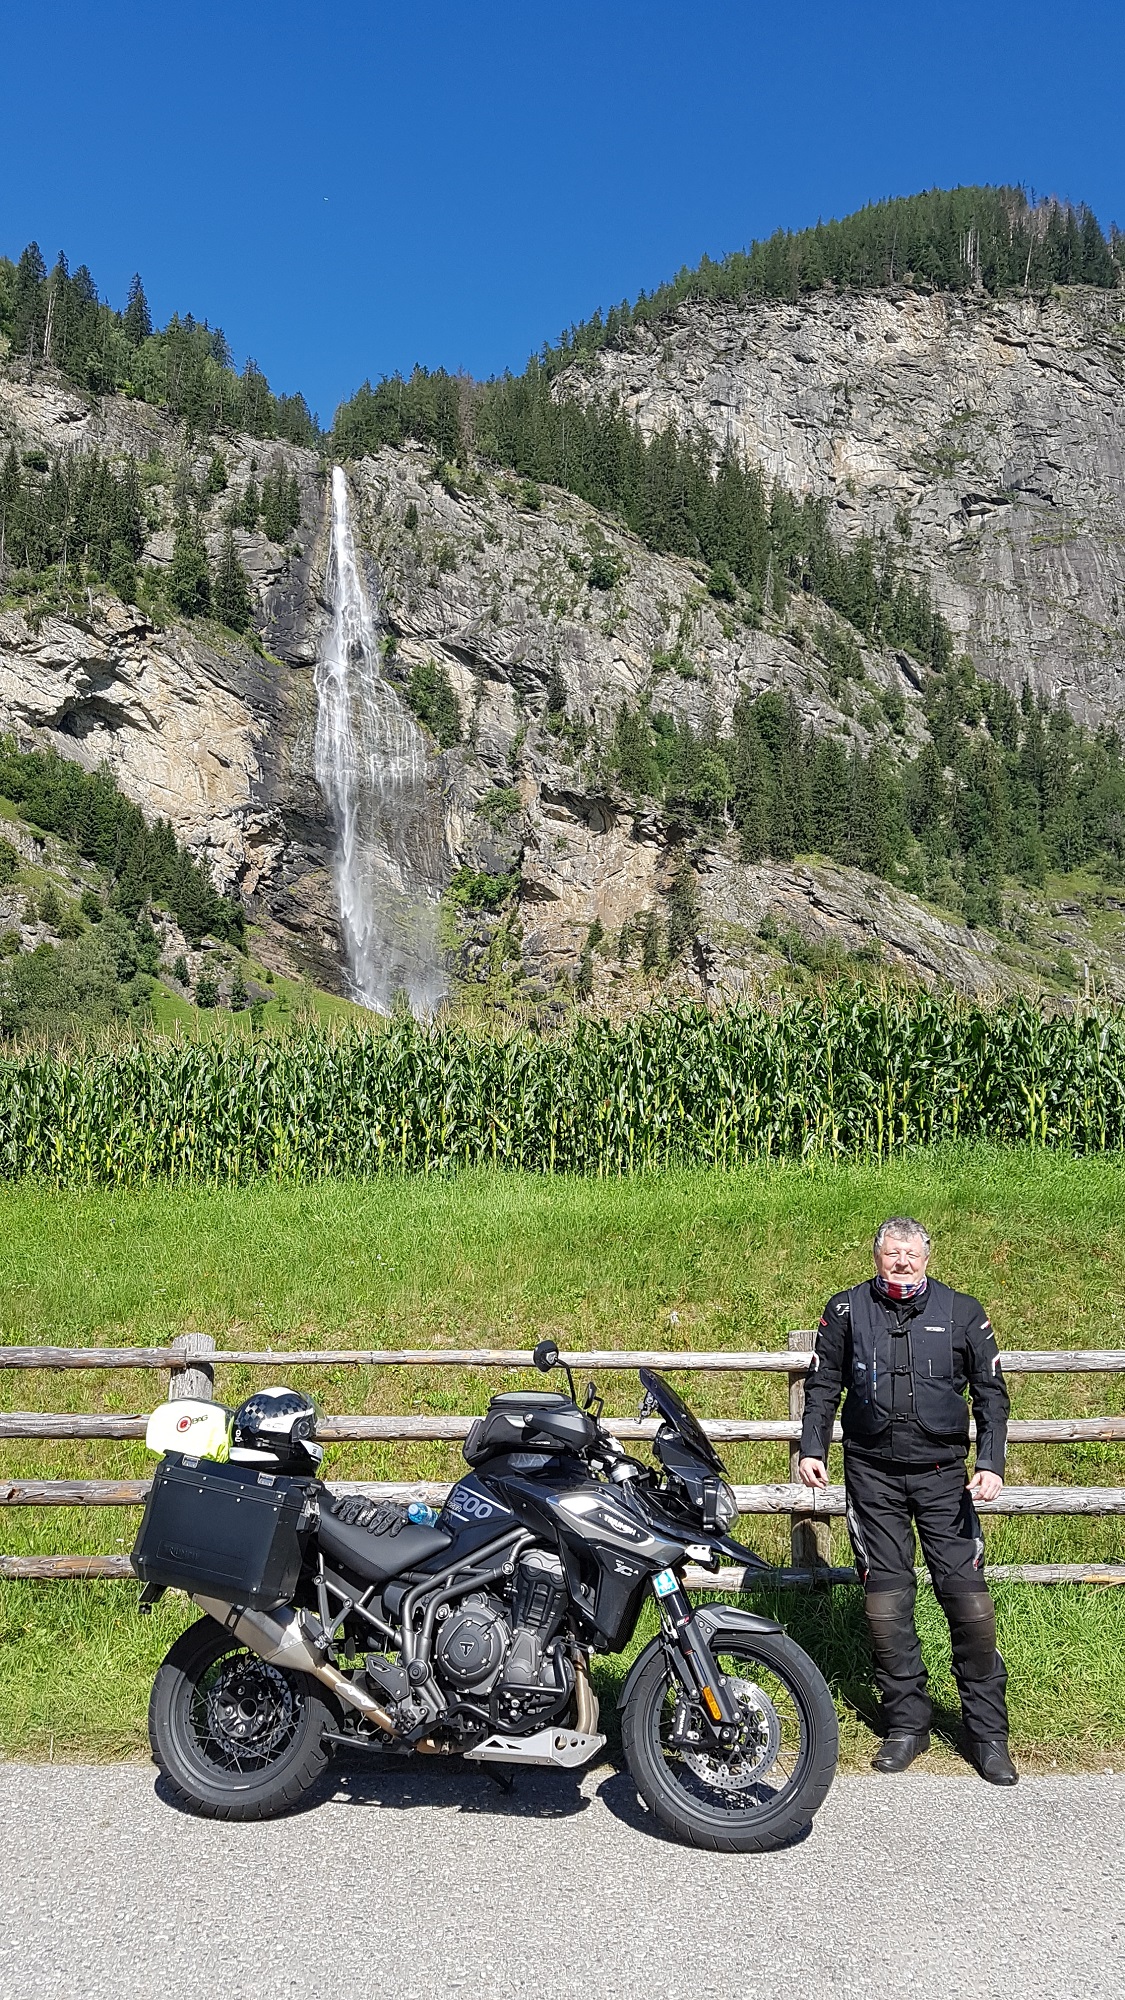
(229,1531)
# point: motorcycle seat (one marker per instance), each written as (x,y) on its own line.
(377,1557)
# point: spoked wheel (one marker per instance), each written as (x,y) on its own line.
(234,1736)
(772,1781)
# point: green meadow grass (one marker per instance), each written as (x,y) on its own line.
(674,1261)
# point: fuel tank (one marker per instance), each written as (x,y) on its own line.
(474,1514)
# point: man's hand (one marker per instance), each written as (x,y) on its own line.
(814,1472)
(985,1485)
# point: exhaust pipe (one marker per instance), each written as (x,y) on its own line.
(280,1638)
(588,1706)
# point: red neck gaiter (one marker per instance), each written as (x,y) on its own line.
(896,1288)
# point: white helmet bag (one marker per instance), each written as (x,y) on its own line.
(189,1425)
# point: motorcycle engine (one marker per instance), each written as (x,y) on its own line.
(484,1645)
(472,1644)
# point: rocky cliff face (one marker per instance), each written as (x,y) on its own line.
(989,435)
(989,438)
(195,724)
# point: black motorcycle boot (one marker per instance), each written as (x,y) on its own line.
(993,1761)
(981,1677)
(899,1671)
(898,1751)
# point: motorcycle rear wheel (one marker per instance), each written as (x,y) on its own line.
(235,1737)
(766,1793)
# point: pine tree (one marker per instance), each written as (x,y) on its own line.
(136,320)
(230,596)
(245,510)
(189,582)
(556,686)
(649,931)
(683,911)
(280,505)
(828,787)
(27,301)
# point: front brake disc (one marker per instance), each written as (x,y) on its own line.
(756,1753)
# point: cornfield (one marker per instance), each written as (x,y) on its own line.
(847,1074)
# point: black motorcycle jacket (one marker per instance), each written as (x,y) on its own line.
(903,1368)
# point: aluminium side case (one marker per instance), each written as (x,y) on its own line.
(227,1531)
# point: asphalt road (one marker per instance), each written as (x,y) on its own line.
(407,1883)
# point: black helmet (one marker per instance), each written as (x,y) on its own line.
(276,1427)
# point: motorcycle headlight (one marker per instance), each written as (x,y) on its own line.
(720,1507)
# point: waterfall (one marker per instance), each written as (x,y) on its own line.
(372,767)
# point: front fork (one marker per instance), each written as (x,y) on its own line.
(709,1699)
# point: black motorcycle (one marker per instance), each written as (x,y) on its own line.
(470,1635)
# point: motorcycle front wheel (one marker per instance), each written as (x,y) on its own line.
(768,1788)
(234,1737)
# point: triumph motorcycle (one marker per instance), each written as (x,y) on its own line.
(469,1634)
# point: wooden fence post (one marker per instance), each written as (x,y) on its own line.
(196,1377)
(810,1541)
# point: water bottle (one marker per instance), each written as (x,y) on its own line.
(420,1515)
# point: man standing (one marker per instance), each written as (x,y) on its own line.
(904,1348)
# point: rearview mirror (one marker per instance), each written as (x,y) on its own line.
(546,1356)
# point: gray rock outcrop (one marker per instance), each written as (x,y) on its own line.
(987,436)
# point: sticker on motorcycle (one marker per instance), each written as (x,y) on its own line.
(665,1583)
(465,1505)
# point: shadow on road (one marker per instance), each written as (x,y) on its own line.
(618,1794)
(396,1785)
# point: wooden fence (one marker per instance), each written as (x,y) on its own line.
(191,1360)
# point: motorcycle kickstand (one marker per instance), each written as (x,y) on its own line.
(504,1780)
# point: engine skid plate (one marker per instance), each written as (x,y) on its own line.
(566,1749)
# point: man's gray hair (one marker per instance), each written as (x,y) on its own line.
(900,1225)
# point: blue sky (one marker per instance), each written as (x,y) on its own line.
(349,188)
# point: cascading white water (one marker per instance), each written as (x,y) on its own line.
(371,764)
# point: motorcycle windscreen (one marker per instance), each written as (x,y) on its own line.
(675,1412)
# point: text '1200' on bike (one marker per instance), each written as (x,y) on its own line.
(469,1633)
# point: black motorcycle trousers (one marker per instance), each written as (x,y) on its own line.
(886,1504)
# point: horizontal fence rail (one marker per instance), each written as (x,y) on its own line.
(822,1504)
(1028,1361)
(87,1569)
(450,1430)
(191,1360)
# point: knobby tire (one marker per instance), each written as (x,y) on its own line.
(771,1825)
(192,1776)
